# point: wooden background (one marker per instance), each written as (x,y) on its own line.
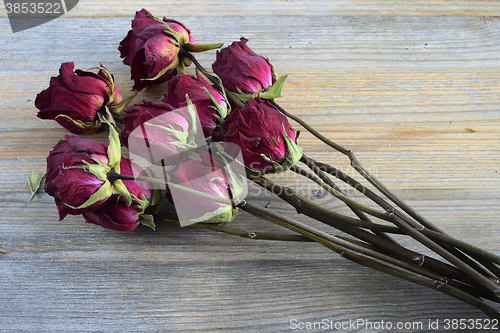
(402,83)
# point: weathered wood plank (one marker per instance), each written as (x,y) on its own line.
(397,82)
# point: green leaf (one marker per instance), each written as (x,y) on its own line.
(193,115)
(142,204)
(177,35)
(222,111)
(182,136)
(294,151)
(235,181)
(156,197)
(223,92)
(272,70)
(276,90)
(169,30)
(117,109)
(294,155)
(147,220)
(223,214)
(114,149)
(119,188)
(191,47)
(104,192)
(244,97)
(34,182)
(99,170)
(95,125)
(277,167)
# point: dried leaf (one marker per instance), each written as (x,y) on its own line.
(34,182)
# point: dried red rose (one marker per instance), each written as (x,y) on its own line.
(152,49)
(74,98)
(77,174)
(209,103)
(242,70)
(264,135)
(114,213)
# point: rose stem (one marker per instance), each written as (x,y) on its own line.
(466,247)
(322,238)
(370,251)
(424,240)
(112,176)
(356,246)
(397,219)
(339,195)
(337,221)
(345,249)
(272,236)
(481,255)
(361,215)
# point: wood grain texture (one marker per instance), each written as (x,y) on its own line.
(209,8)
(399,82)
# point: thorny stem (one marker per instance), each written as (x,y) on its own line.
(339,195)
(337,221)
(453,256)
(112,176)
(258,235)
(347,250)
(251,234)
(482,256)
(360,214)
(490,285)
(396,200)
(466,247)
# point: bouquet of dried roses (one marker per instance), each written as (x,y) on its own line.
(211,133)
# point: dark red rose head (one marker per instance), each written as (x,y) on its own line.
(114,213)
(71,145)
(264,135)
(152,49)
(74,98)
(77,174)
(209,103)
(242,70)
(77,178)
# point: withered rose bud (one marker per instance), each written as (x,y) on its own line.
(152,49)
(74,98)
(209,103)
(209,177)
(114,213)
(242,70)
(157,132)
(71,145)
(77,174)
(264,135)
